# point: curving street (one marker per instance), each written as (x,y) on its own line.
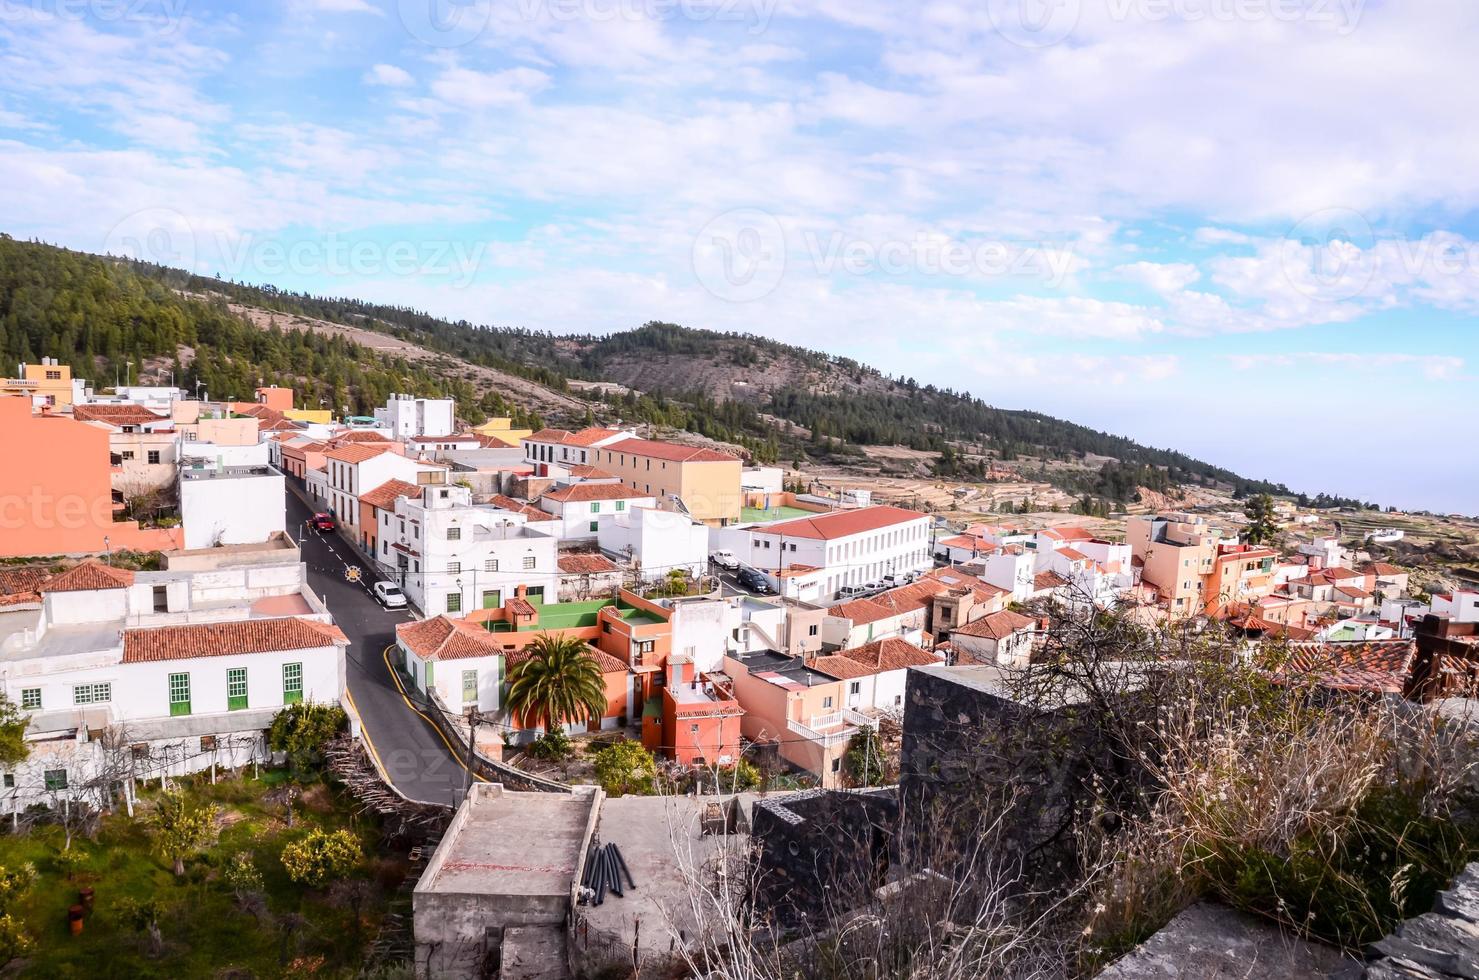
(408,747)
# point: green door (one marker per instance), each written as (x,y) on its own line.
(236,689)
(292,683)
(179,694)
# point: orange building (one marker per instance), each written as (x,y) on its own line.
(699,722)
(57,496)
(275,398)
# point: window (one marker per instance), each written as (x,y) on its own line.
(92,693)
(621,505)
(56,779)
(236,689)
(469,687)
(534,593)
(856,687)
(53,375)
(454,602)
(644,646)
(811,630)
(454,568)
(127,455)
(595,526)
(31,698)
(596,507)
(161,598)
(490,565)
(528,562)
(10,780)
(153,457)
(454,534)
(179,694)
(827,702)
(492,598)
(292,683)
(837,765)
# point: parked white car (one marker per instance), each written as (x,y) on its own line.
(389,595)
(725,560)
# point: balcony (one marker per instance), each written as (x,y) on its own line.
(825,730)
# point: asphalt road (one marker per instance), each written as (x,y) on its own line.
(410,749)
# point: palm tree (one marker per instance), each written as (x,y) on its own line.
(557,681)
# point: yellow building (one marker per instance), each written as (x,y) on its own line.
(501,428)
(706,481)
(47,383)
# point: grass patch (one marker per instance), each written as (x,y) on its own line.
(204,931)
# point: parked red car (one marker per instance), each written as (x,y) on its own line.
(323,522)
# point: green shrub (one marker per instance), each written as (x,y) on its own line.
(626,767)
(552,746)
(321,857)
(302,730)
(740,777)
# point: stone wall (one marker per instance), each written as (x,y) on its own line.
(823,852)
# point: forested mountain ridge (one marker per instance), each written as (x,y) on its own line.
(111,317)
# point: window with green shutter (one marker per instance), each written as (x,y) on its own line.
(31,698)
(236,689)
(92,693)
(596,507)
(55,779)
(469,687)
(179,694)
(292,683)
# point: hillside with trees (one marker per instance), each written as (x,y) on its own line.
(114,319)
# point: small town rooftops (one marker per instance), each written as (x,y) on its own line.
(996,626)
(841,523)
(386,494)
(1376,666)
(357,452)
(583,492)
(440,638)
(228,639)
(89,576)
(519,507)
(672,452)
(586,564)
(116,414)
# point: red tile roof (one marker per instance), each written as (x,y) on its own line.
(549,435)
(228,639)
(840,667)
(586,564)
(590,473)
(604,661)
(860,611)
(583,492)
(519,507)
(20,586)
(386,494)
(589,437)
(356,452)
(891,653)
(996,626)
(1048,580)
(1379,666)
(459,437)
(90,576)
(1384,569)
(359,435)
(841,523)
(440,638)
(116,414)
(669,451)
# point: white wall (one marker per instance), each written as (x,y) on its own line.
(576,516)
(701,631)
(660,540)
(232,509)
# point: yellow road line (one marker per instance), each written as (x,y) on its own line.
(456,756)
(365,733)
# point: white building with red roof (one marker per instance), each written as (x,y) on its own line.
(183,668)
(814,558)
(581,508)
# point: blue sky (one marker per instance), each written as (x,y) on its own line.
(1242,228)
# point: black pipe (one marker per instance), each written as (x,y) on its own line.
(615,876)
(622,864)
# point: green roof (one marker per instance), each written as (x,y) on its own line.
(781,513)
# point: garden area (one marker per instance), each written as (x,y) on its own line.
(254,875)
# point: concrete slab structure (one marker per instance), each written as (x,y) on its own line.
(508,859)
(1213,942)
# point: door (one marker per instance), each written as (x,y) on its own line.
(179,694)
(236,689)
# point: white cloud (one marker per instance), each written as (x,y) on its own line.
(464,88)
(388,75)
